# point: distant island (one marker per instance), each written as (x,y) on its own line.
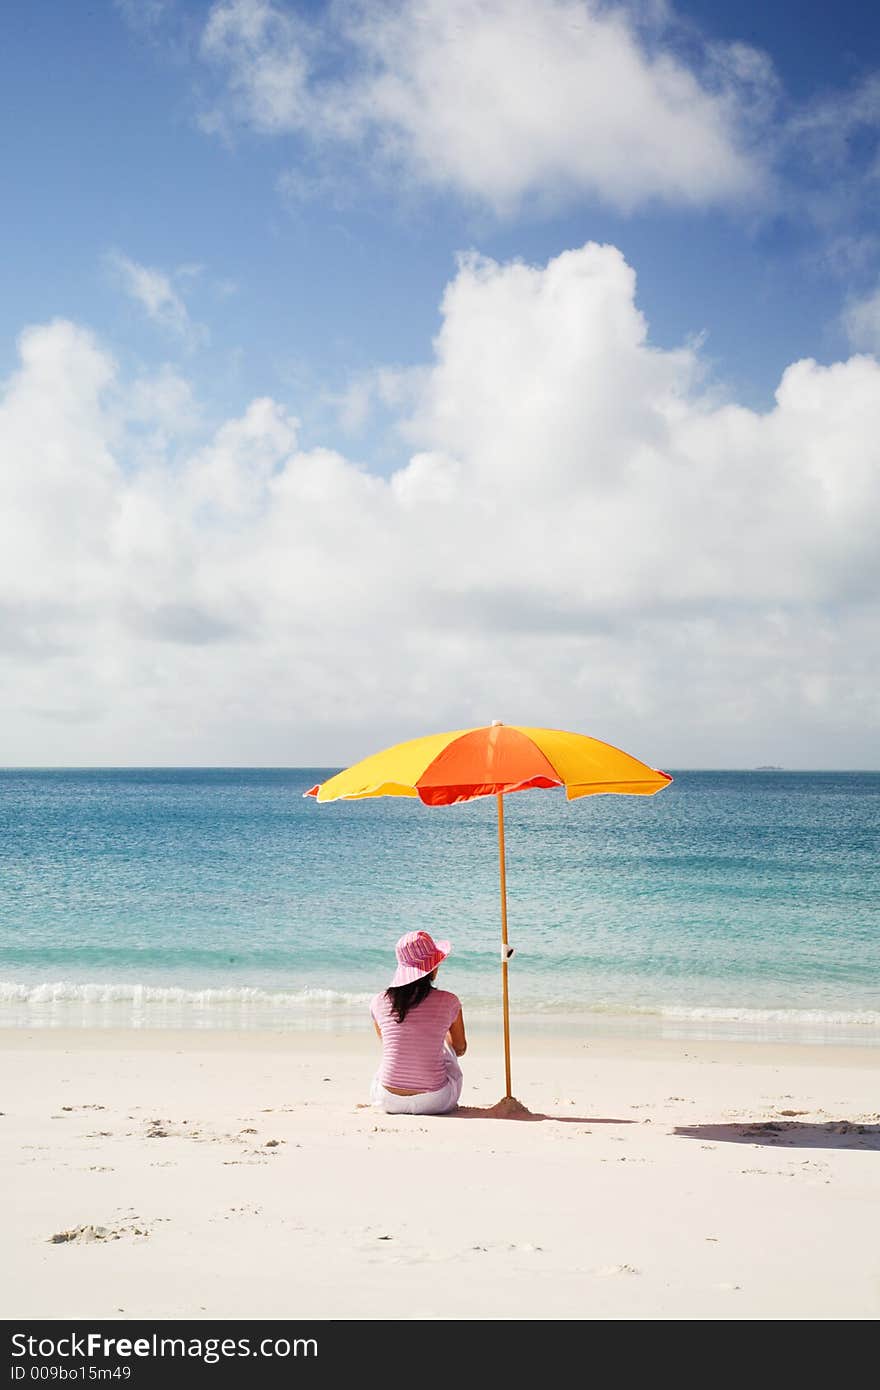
(768,767)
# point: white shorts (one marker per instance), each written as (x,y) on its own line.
(425,1102)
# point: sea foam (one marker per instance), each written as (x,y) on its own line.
(247,998)
(141,995)
(794,1018)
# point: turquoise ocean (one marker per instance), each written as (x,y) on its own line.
(733,903)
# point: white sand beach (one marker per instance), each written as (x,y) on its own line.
(215,1175)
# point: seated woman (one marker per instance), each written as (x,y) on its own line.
(422,1033)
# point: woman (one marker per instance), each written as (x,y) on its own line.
(422,1034)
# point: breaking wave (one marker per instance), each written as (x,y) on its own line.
(74,992)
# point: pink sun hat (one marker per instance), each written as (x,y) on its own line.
(417,955)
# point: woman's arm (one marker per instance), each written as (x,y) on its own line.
(456,1038)
(378,1030)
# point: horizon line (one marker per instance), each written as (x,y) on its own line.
(315,767)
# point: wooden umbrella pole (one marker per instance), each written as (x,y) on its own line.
(504,990)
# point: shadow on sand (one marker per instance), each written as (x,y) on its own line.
(792,1134)
(511,1109)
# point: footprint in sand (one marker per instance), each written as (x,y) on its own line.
(86,1235)
(769,1172)
(604,1271)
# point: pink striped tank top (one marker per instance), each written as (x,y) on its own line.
(412,1051)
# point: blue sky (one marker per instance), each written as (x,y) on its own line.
(256,200)
(106,153)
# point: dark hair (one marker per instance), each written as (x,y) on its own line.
(402,998)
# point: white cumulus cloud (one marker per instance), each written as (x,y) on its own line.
(501,100)
(583,536)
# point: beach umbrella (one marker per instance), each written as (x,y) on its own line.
(441,769)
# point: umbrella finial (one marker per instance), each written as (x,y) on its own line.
(497,723)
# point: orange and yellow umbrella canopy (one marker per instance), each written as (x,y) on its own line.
(441,769)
